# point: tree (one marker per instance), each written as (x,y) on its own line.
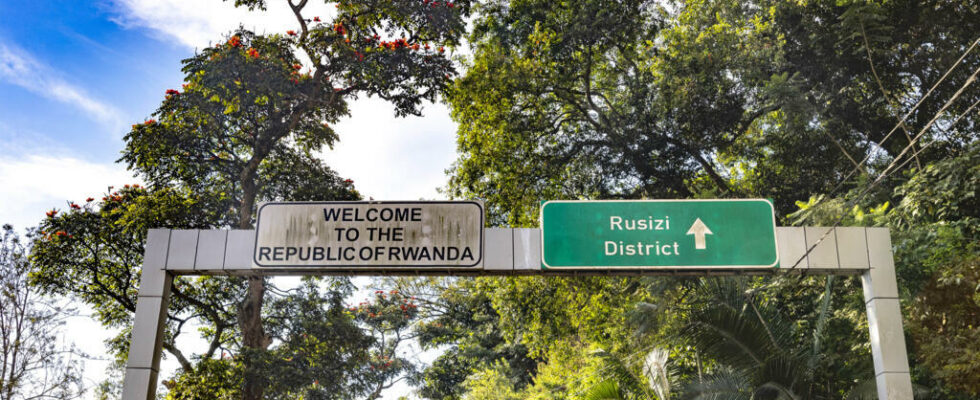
(790,101)
(319,353)
(92,252)
(458,317)
(936,224)
(933,217)
(608,100)
(33,364)
(710,98)
(251,112)
(245,128)
(388,317)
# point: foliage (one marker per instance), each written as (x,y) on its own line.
(92,252)
(934,232)
(490,384)
(213,379)
(387,318)
(944,317)
(245,127)
(319,352)
(251,115)
(936,227)
(540,311)
(785,100)
(461,319)
(756,351)
(34,363)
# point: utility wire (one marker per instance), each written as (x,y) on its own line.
(901,121)
(951,124)
(888,170)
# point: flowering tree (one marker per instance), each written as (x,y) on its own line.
(388,317)
(92,252)
(254,109)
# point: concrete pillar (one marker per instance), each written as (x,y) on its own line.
(885,319)
(146,340)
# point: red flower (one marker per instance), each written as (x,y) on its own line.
(89,199)
(441,49)
(253,53)
(297,66)
(451,5)
(74,206)
(348,181)
(150,122)
(316,19)
(291,32)
(51,213)
(415,46)
(235,41)
(171,92)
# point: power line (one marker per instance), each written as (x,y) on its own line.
(904,118)
(888,170)
(951,124)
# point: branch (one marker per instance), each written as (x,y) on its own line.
(884,93)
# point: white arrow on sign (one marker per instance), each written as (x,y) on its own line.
(699,229)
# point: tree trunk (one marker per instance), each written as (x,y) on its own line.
(250,313)
(253,338)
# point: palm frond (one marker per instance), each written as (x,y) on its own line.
(723,384)
(605,390)
(657,373)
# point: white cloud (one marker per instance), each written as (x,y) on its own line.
(36,183)
(21,69)
(198,23)
(394,158)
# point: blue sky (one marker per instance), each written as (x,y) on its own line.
(74,75)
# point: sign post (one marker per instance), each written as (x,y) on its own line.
(658,234)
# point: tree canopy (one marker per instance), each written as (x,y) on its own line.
(856,113)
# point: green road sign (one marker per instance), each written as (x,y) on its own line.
(658,234)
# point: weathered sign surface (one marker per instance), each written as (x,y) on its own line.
(658,234)
(369,234)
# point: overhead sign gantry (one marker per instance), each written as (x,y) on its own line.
(692,237)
